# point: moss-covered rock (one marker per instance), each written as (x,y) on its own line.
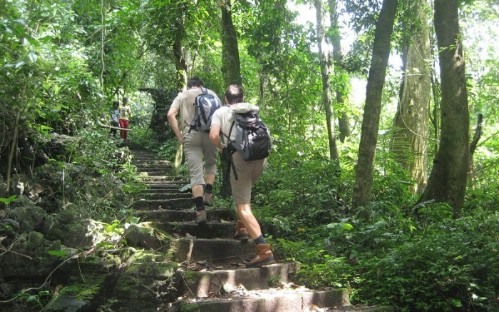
(29,257)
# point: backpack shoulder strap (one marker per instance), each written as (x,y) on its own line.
(230,131)
(231,127)
(227,136)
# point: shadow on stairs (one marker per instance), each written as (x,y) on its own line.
(210,275)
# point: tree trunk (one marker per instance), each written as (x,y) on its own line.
(339,89)
(231,67)
(180,64)
(181,74)
(370,123)
(447,182)
(409,141)
(325,63)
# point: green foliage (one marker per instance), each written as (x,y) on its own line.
(432,263)
(8,200)
(168,149)
(81,291)
(37,300)
(300,191)
(298,199)
(111,235)
(93,177)
(95,150)
(317,267)
(449,266)
(45,73)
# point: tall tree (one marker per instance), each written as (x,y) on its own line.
(325,64)
(372,110)
(409,141)
(178,54)
(231,66)
(447,181)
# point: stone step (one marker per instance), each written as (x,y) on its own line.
(151,162)
(166,171)
(203,284)
(211,229)
(145,153)
(166,189)
(154,169)
(174,203)
(156,178)
(156,172)
(165,185)
(272,300)
(162,194)
(162,215)
(216,250)
(162,187)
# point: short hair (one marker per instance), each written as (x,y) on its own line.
(116,104)
(234,94)
(195,82)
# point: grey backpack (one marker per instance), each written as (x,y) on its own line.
(205,105)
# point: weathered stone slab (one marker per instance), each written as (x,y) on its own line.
(173,203)
(208,230)
(197,249)
(161,194)
(188,215)
(271,300)
(207,283)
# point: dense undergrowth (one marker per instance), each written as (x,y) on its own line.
(423,257)
(86,186)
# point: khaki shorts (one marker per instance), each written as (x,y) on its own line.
(200,154)
(248,173)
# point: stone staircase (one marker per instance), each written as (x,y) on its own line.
(212,275)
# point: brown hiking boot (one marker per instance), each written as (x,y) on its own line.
(241,232)
(208,199)
(201,217)
(263,256)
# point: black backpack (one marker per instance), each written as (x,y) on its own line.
(253,139)
(205,105)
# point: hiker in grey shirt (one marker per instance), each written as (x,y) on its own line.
(248,172)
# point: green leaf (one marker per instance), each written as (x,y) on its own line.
(33,298)
(347,226)
(457,303)
(133,220)
(8,200)
(57,253)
